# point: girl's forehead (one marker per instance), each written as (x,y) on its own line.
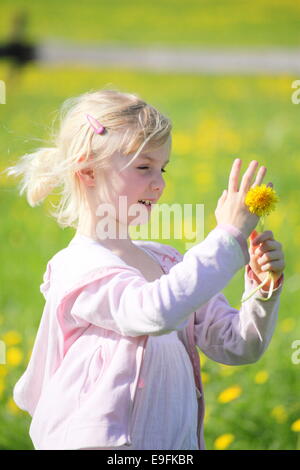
(160,155)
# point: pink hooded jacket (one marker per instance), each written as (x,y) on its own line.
(80,383)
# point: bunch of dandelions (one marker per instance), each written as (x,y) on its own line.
(261,200)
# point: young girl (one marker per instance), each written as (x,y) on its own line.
(115,364)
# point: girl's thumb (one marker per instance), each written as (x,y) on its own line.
(224,194)
(253,234)
(222,197)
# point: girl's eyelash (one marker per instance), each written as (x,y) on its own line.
(145,168)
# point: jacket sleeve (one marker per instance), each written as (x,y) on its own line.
(236,337)
(126,303)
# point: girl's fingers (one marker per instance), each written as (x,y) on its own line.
(268,245)
(247,177)
(260,176)
(274,266)
(270,256)
(267,235)
(233,182)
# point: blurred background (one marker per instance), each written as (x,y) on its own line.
(222,70)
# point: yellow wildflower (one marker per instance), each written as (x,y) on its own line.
(205,377)
(222,442)
(230,394)
(203,358)
(11,338)
(261,200)
(279,414)
(261,377)
(14,356)
(296,426)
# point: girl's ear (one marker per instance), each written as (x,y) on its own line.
(86,175)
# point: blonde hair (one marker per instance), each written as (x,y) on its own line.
(130,124)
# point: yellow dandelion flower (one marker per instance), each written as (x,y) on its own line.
(11,338)
(261,200)
(296,426)
(14,356)
(261,377)
(203,358)
(205,377)
(229,394)
(279,414)
(223,442)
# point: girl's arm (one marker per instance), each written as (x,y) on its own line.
(125,302)
(236,337)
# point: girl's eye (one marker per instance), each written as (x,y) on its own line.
(146,167)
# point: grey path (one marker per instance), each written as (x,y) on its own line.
(177,59)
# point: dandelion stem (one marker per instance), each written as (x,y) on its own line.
(260,286)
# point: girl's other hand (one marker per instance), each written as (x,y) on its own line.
(265,255)
(231,207)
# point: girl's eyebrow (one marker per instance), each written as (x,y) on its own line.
(151,158)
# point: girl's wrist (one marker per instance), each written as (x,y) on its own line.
(262,277)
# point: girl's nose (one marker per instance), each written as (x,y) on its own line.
(158,184)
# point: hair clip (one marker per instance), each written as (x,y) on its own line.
(98,128)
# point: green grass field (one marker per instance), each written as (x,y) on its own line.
(137,22)
(215,120)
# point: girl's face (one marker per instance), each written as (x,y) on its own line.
(143,179)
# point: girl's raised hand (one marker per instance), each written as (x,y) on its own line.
(231,207)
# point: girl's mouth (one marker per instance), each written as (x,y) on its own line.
(145,202)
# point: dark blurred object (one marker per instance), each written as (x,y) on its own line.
(16,49)
(18,52)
